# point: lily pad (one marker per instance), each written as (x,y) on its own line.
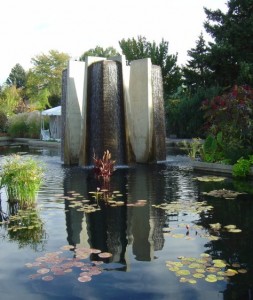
(242,271)
(235,230)
(216,226)
(210,178)
(183,272)
(198,275)
(230,226)
(223,193)
(211,278)
(192,281)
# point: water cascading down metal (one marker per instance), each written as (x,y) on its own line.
(105,111)
(109,105)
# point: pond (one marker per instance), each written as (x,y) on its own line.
(159,236)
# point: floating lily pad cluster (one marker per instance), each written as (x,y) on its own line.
(223,193)
(229,228)
(80,203)
(189,207)
(112,199)
(210,178)
(55,264)
(190,269)
(191,232)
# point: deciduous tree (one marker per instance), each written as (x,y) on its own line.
(44,79)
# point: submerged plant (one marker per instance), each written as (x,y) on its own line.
(22,178)
(104,167)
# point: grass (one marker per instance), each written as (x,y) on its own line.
(22,178)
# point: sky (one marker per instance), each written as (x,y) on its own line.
(31,27)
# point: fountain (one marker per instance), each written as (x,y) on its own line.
(107,104)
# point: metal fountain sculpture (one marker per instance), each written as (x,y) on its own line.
(109,105)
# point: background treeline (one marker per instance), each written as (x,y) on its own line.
(214,69)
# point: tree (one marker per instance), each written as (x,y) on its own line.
(135,49)
(141,48)
(100,52)
(17,77)
(231,53)
(196,72)
(44,79)
(10,100)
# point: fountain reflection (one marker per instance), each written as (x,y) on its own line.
(113,229)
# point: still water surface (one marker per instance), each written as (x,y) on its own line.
(145,241)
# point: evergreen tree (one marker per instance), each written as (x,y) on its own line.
(231,53)
(17,77)
(196,72)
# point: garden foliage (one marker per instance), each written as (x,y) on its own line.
(232,114)
(183,112)
(25,125)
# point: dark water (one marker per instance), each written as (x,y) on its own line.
(136,236)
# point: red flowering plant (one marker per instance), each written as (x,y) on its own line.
(232,114)
(104,167)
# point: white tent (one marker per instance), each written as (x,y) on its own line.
(55,111)
(54,131)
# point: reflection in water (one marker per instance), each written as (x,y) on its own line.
(142,238)
(111,229)
(25,227)
(145,224)
(114,229)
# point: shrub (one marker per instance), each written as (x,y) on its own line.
(231,113)
(17,126)
(25,125)
(184,116)
(3,122)
(213,149)
(33,123)
(242,167)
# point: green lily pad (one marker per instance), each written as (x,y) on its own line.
(210,178)
(198,275)
(211,278)
(235,230)
(230,227)
(192,281)
(183,272)
(242,271)
(200,270)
